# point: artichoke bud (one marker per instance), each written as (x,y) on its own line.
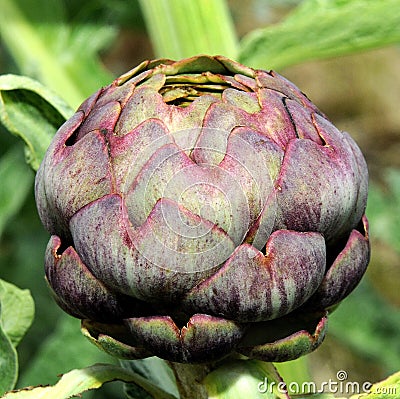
(199,208)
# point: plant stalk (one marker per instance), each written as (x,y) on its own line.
(189,379)
(181,28)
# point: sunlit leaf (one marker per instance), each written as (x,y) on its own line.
(78,381)
(318,29)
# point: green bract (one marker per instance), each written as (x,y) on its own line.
(199,208)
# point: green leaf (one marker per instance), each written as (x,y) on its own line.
(8,363)
(154,370)
(13,169)
(32,112)
(17,311)
(59,53)
(16,315)
(78,381)
(244,379)
(180,28)
(318,29)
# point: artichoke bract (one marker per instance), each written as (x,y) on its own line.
(200,208)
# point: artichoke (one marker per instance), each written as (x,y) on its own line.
(200,208)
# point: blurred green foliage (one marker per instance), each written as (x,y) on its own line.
(65,45)
(57,43)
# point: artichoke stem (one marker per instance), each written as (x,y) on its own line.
(189,379)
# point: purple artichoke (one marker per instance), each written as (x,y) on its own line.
(200,208)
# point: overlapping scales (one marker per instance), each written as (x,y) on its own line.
(200,207)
